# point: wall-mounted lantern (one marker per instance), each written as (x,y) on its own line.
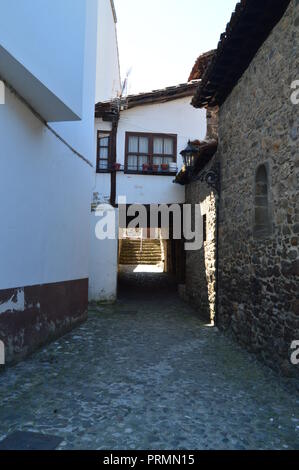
(190,155)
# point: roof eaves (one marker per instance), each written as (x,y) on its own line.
(162,95)
(250,25)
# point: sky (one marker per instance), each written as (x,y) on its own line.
(159,40)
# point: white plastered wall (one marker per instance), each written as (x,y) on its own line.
(174,117)
(45,187)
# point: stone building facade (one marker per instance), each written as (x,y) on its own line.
(201,264)
(258,208)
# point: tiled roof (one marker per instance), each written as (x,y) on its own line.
(250,25)
(156,96)
(162,95)
(201,65)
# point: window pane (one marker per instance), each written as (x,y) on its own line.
(158,145)
(143,145)
(132,162)
(141,161)
(103,152)
(157,160)
(103,164)
(133,144)
(168,146)
(104,141)
(167,159)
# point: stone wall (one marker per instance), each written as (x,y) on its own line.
(201,264)
(200,274)
(258,270)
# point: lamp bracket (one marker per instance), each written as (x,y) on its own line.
(211,177)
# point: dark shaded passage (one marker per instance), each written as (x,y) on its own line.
(144,286)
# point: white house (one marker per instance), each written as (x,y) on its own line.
(138,144)
(50,53)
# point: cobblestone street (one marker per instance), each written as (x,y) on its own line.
(146,373)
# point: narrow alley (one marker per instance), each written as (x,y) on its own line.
(147,373)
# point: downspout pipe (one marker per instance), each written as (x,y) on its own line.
(113,160)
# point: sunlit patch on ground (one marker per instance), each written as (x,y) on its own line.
(142,268)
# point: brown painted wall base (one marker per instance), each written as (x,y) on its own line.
(33,316)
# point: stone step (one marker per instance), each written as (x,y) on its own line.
(133,263)
(145,258)
(142,251)
(145,242)
(138,247)
(156,259)
(125,259)
(133,252)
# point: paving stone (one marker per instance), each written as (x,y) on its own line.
(21,440)
(159,379)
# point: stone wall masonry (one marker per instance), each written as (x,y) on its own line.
(258,275)
(201,264)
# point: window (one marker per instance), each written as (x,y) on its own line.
(155,153)
(262,219)
(103,151)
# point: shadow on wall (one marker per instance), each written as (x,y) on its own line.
(200,287)
(200,283)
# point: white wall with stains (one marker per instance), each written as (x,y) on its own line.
(45,39)
(108,84)
(174,117)
(103,255)
(45,187)
(103,262)
(15,303)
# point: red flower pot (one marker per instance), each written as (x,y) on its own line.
(145,167)
(116,166)
(164,166)
(155,168)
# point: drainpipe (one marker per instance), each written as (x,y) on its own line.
(113,160)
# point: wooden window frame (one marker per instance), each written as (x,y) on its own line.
(109,169)
(150,153)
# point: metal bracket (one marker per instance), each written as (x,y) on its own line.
(211,177)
